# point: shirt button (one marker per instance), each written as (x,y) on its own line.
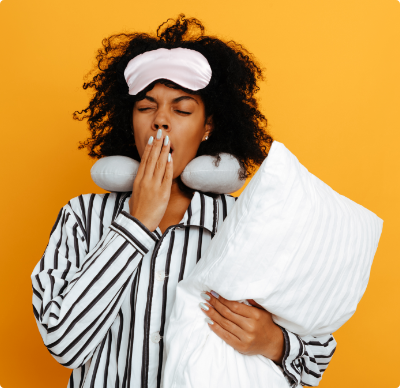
(155,337)
(160,275)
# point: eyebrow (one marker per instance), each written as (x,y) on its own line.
(175,100)
(184,98)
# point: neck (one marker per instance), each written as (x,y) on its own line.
(176,192)
(178,203)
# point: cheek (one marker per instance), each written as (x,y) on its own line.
(187,142)
(139,133)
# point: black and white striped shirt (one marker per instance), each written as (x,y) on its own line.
(104,289)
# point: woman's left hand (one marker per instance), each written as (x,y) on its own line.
(249,330)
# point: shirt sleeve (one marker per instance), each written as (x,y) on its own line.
(77,294)
(306,358)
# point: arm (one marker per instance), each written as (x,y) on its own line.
(306,358)
(77,294)
(251,330)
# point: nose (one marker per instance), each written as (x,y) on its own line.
(161,121)
(162,126)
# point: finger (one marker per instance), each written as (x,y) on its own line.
(255,304)
(143,160)
(159,170)
(225,323)
(169,173)
(235,307)
(153,156)
(228,337)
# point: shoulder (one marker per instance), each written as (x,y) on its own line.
(225,204)
(228,199)
(231,198)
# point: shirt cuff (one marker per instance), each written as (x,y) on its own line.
(294,349)
(134,232)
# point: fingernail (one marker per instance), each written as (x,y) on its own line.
(151,138)
(214,294)
(203,306)
(159,134)
(205,296)
(208,320)
(169,157)
(166,140)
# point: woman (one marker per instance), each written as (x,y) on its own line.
(105,286)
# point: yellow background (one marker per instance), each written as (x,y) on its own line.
(332,96)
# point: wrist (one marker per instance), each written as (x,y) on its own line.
(276,346)
(149,224)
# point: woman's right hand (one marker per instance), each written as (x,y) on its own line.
(152,185)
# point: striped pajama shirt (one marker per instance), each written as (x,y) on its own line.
(104,289)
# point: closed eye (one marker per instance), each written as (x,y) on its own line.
(183,112)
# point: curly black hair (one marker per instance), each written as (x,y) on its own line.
(239,127)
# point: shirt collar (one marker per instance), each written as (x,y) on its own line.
(202,212)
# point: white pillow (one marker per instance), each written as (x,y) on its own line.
(117,173)
(202,174)
(291,243)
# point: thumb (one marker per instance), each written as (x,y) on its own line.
(255,304)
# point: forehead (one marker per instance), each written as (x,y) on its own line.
(161,91)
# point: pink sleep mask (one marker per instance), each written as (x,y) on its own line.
(187,68)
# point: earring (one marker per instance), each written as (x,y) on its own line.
(206,138)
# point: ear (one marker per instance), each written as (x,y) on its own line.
(209,127)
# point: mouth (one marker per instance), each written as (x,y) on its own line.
(171,150)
